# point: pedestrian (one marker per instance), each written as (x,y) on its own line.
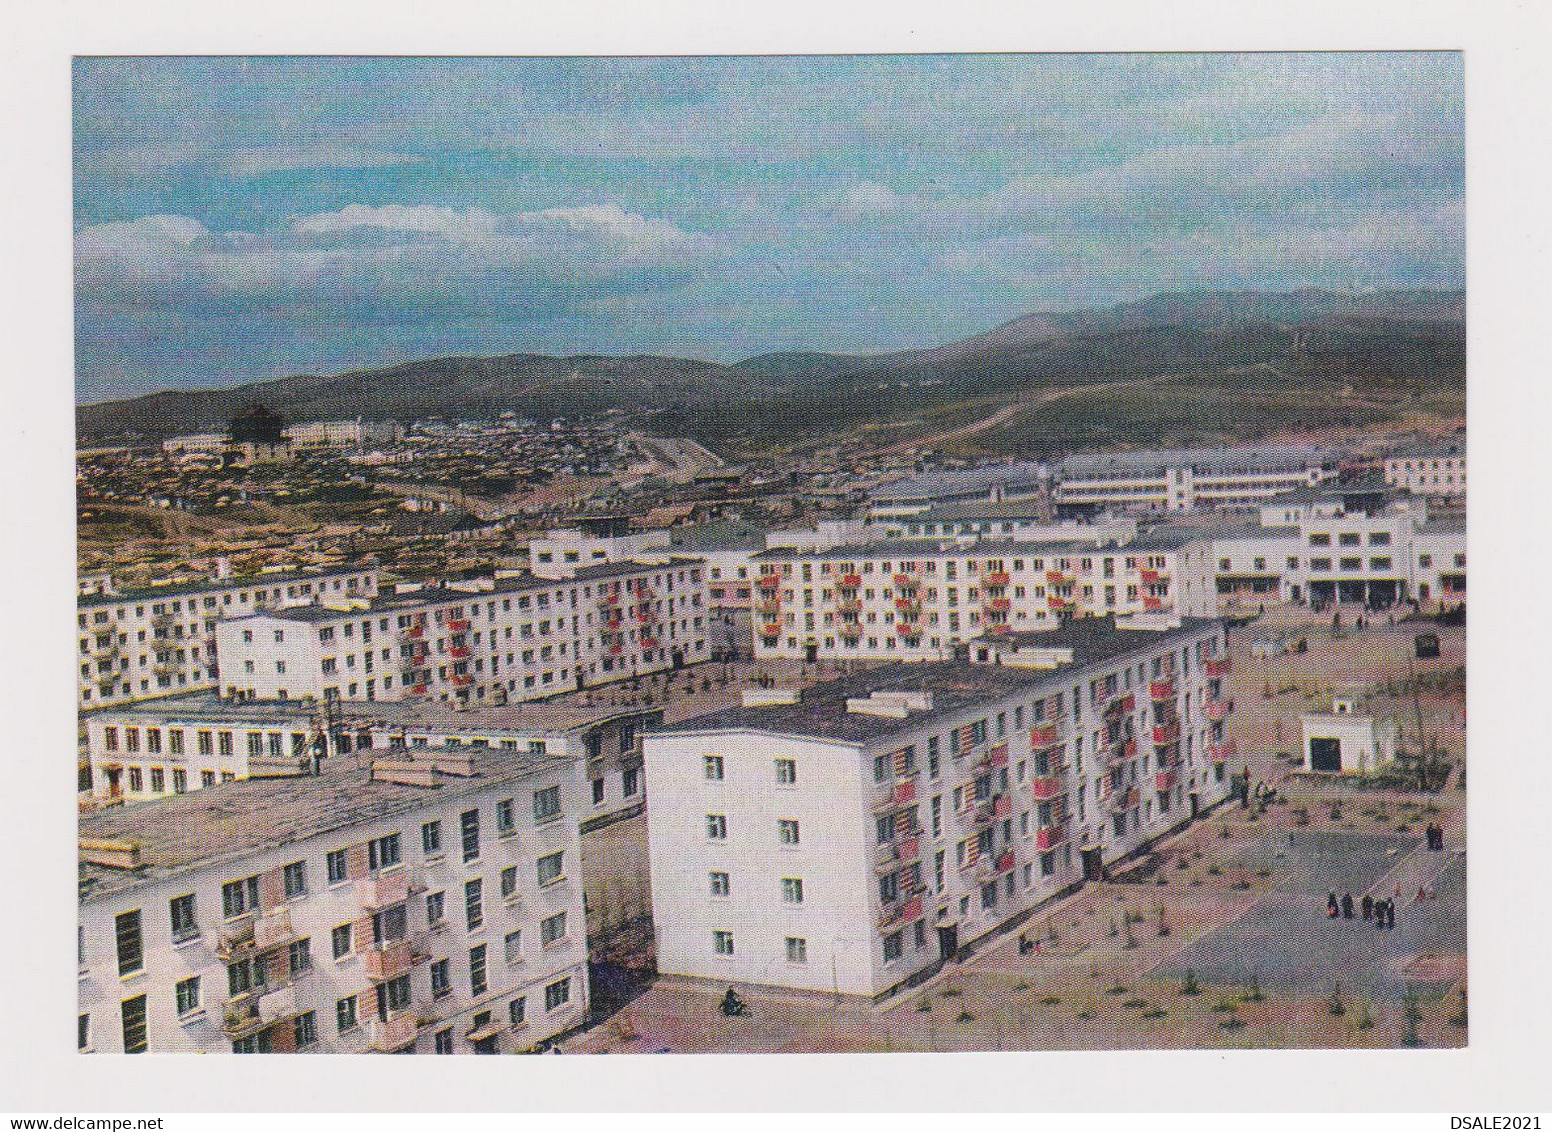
(1390,915)
(1347,906)
(1332,911)
(1379,915)
(1368,907)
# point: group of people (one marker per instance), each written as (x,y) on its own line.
(1436,838)
(1382,912)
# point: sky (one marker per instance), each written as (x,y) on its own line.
(245,218)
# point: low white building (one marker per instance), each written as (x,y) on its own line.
(425,904)
(989,483)
(1431,468)
(1344,741)
(853,837)
(1189,479)
(356,433)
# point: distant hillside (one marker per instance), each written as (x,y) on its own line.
(1385,336)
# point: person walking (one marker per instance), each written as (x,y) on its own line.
(1347,906)
(1332,911)
(1367,907)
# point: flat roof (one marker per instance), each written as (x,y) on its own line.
(926,485)
(233,820)
(1429,449)
(1160,539)
(956,686)
(1229,461)
(182,589)
(721,534)
(1097,640)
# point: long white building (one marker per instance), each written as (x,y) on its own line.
(356,433)
(1429,469)
(428,902)
(161,640)
(1190,479)
(921,599)
(513,639)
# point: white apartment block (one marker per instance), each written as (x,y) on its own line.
(511,640)
(1190,479)
(161,640)
(921,599)
(1431,469)
(212,443)
(357,433)
(1343,545)
(183,744)
(853,837)
(1002,520)
(425,905)
(990,483)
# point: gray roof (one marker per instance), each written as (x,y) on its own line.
(1002,509)
(1096,640)
(929,485)
(217,585)
(1429,450)
(1251,461)
(1164,538)
(233,820)
(1445,525)
(720,534)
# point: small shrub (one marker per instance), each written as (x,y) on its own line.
(1458,1019)
(1223,832)
(1050,1000)
(1135,1003)
(1183,864)
(923,1006)
(1130,943)
(1087,1013)
(1253,990)
(1114,930)
(1334,1005)
(1189,985)
(1154,1012)
(1118,988)
(1364,1019)
(1225,1006)
(1231,1024)
(1196,882)
(1263,872)
(1020,987)
(951,992)
(1411,1016)
(965,1018)
(1214,871)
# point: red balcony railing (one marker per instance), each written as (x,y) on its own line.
(1217,710)
(462,680)
(768,605)
(458,653)
(999,756)
(770,629)
(1057,578)
(995,578)
(999,604)
(1164,781)
(457,625)
(908,630)
(1055,602)
(418,689)
(850,581)
(415,632)
(770,582)
(849,605)
(1122,705)
(1002,806)
(906,604)
(382,962)
(1166,733)
(1149,576)
(905,581)
(1045,787)
(1048,836)
(1006,861)
(1161,690)
(1220,667)
(851,630)
(1152,604)
(649,642)
(1044,735)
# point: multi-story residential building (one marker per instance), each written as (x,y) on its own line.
(1189,479)
(921,599)
(183,744)
(417,904)
(852,837)
(213,443)
(1019,520)
(510,639)
(1355,544)
(1431,469)
(343,434)
(990,483)
(161,640)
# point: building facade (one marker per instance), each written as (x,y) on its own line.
(852,838)
(1436,469)
(511,640)
(161,640)
(922,599)
(991,483)
(1189,479)
(427,905)
(343,434)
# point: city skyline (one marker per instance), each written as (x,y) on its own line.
(238,219)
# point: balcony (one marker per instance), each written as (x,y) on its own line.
(1218,668)
(393,1035)
(1166,733)
(386,890)
(851,630)
(1048,836)
(1152,604)
(240,1016)
(900,912)
(770,582)
(273,929)
(606,601)
(998,757)
(462,680)
(1161,690)
(995,578)
(999,605)
(457,625)
(1006,862)
(645,617)
(278,1005)
(850,581)
(1002,806)
(1149,577)
(907,604)
(1122,705)
(901,793)
(649,642)
(418,689)
(768,605)
(1046,787)
(383,961)
(1045,735)
(908,630)
(1217,710)
(1058,603)
(1222,752)
(849,605)
(1057,578)
(905,581)
(235,936)
(770,629)
(1164,781)
(458,652)
(894,855)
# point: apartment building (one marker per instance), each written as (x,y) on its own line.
(1189,479)
(425,904)
(183,744)
(853,837)
(990,483)
(160,640)
(903,599)
(508,640)
(1432,469)
(1348,544)
(1023,519)
(356,433)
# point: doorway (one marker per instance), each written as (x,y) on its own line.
(1093,865)
(948,941)
(1326,755)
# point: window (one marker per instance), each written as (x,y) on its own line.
(133,1014)
(345,1014)
(436,908)
(126,933)
(792,890)
(509,882)
(469,827)
(335,862)
(797,949)
(517,1011)
(431,838)
(787,831)
(557,994)
(383,852)
(513,943)
(300,955)
(552,929)
(552,867)
(894,946)
(474,902)
(631,781)
(598,791)
(716,827)
(505,822)
(83,1031)
(180,781)
(184,925)
(546,803)
(444,1041)
(477,982)
(295,875)
(441,979)
(786,772)
(394,995)
(305,1029)
(722,943)
(186,994)
(158,781)
(714,768)
(720,885)
(340,940)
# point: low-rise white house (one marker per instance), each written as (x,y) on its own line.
(853,837)
(430,903)
(1343,741)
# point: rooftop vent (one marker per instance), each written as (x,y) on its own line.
(770,697)
(109,853)
(424,771)
(890,705)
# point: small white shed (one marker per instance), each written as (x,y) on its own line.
(1342,741)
